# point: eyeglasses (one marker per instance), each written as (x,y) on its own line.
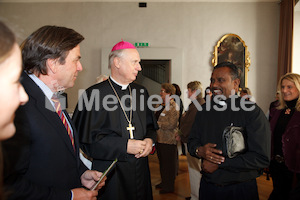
(162,91)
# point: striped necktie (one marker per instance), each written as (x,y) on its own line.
(63,118)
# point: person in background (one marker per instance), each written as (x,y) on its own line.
(195,93)
(12,92)
(166,139)
(275,103)
(41,161)
(285,127)
(226,176)
(123,129)
(246,91)
(180,104)
(101,78)
(207,92)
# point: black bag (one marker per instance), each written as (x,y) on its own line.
(234,141)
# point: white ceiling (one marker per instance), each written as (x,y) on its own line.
(30,1)
(297,7)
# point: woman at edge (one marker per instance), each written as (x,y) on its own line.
(166,142)
(12,92)
(285,153)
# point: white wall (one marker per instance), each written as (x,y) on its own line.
(296,42)
(191,28)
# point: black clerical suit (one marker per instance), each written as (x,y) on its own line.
(235,177)
(40,162)
(103,136)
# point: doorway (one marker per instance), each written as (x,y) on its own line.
(153,74)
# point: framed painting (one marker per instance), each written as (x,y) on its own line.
(231,48)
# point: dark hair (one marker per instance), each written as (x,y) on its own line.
(7,41)
(177,88)
(207,90)
(170,89)
(234,71)
(48,42)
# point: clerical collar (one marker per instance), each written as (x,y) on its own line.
(124,87)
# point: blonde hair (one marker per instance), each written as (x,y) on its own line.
(195,85)
(246,90)
(295,78)
(101,78)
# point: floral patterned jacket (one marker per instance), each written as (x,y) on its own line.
(168,124)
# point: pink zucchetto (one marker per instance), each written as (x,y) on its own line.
(123,45)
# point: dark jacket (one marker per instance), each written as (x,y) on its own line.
(208,127)
(188,118)
(290,139)
(103,136)
(40,162)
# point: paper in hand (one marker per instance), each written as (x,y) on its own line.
(104,174)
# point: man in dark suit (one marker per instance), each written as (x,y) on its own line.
(42,159)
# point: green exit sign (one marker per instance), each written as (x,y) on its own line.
(141,44)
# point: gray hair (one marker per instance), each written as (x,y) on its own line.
(113,55)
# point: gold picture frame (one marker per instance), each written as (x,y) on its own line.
(231,48)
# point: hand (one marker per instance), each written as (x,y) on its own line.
(208,166)
(83,194)
(90,177)
(136,146)
(210,153)
(147,150)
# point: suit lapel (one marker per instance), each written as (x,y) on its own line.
(43,105)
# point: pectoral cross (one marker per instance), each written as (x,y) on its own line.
(130,128)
